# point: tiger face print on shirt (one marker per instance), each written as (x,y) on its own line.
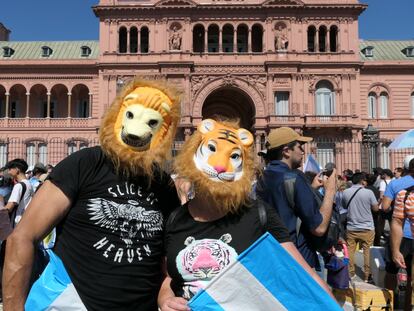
(202,260)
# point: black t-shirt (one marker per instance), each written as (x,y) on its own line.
(198,251)
(111,241)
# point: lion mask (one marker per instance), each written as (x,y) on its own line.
(138,129)
(218,160)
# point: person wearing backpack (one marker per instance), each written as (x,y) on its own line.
(360,203)
(306,215)
(22,191)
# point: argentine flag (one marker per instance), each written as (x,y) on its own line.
(311,165)
(265,277)
(54,289)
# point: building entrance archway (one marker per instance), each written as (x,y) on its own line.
(232,103)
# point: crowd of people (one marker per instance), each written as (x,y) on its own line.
(126,242)
(365,202)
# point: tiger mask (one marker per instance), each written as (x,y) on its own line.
(218,159)
(138,129)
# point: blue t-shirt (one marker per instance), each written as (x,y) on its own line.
(395,186)
(271,189)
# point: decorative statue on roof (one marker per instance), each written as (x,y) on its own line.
(109,204)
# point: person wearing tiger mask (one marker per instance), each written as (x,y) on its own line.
(208,232)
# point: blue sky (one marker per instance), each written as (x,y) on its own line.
(45,20)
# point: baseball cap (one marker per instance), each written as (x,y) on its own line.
(284,135)
(407,160)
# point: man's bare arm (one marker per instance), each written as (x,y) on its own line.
(396,237)
(46,209)
(327,205)
(386,203)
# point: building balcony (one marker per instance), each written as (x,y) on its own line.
(314,121)
(23,123)
(336,121)
(391,123)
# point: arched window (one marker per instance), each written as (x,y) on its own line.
(412,104)
(333,39)
(36,151)
(383,105)
(198,38)
(311,39)
(257,38)
(122,40)
(3,153)
(228,38)
(76,145)
(242,41)
(144,42)
(325,99)
(372,105)
(133,40)
(322,39)
(213,39)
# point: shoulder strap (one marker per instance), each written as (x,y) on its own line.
(407,193)
(24,188)
(349,202)
(261,208)
(289,183)
(172,216)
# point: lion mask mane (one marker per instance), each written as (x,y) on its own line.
(218,159)
(139,127)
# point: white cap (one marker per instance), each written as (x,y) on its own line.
(407,160)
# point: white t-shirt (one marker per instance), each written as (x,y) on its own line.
(16,198)
(383,184)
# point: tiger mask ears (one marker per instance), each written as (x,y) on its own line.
(244,136)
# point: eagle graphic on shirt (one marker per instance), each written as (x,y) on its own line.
(131,220)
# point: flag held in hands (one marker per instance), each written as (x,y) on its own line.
(265,277)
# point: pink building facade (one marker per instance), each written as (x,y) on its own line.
(270,63)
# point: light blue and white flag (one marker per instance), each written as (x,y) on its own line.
(311,165)
(264,277)
(54,290)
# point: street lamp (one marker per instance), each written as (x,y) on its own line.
(370,139)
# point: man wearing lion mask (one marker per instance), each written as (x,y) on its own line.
(109,204)
(206,234)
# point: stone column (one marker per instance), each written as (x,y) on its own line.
(48,105)
(316,40)
(220,40)
(258,139)
(27,104)
(249,41)
(235,41)
(128,47)
(206,40)
(138,40)
(7,104)
(338,42)
(90,105)
(69,103)
(328,41)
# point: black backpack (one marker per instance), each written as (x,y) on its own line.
(332,234)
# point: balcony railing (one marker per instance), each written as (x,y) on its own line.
(45,122)
(312,120)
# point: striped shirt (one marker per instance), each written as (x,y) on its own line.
(401,210)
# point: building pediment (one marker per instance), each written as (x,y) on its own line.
(175,3)
(275,3)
